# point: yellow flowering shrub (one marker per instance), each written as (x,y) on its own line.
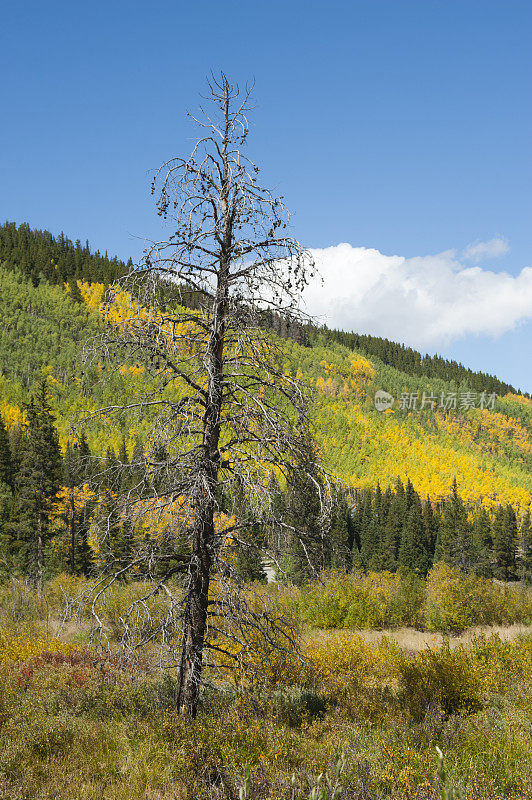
(344,662)
(20,646)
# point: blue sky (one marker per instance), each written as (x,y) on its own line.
(399,127)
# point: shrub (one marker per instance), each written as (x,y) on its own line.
(291,706)
(121,600)
(21,644)
(344,663)
(446,678)
(19,603)
(68,595)
(502,663)
(357,600)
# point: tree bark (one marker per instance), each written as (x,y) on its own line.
(197,603)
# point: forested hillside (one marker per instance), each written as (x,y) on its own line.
(449,454)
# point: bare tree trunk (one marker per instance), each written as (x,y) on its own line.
(197,605)
(195,622)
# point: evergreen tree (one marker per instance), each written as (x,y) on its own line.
(455,544)
(158,473)
(431,525)
(357,522)
(504,535)
(340,533)
(304,513)
(84,460)
(512,537)
(137,467)
(111,476)
(249,566)
(413,550)
(78,507)
(392,532)
(75,293)
(38,482)
(526,550)
(483,543)
(6,461)
(6,503)
(108,528)
(410,495)
(369,533)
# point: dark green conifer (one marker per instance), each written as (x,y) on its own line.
(504,535)
(525,564)
(249,566)
(304,517)
(6,462)
(392,532)
(431,524)
(38,482)
(413,550)
(455,542)
(483,543)
(75,293)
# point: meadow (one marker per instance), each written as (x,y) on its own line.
(364,709)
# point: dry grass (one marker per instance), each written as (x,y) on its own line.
(414,640)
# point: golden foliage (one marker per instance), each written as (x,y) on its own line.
(17,645)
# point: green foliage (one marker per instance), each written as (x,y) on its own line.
(449,601)
(41,327)
(356,600)
(295,704)
(410,361)
(6,461)
(41,256)
(444,678)
(456,545)
(447,789)
(456,601)
(526,543)
(37,485)
(505,541)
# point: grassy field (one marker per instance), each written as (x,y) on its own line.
(366,709)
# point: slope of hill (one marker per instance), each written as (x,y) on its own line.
(488,449)
(40,255)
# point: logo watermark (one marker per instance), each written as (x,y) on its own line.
(445,401)
(383,400)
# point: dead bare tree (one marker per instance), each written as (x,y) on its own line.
(223,411)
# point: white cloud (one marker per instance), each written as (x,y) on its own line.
(425,302)
(493,248)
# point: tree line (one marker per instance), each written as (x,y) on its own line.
(50,501)
(398,530)
(410,361)
(40,255)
